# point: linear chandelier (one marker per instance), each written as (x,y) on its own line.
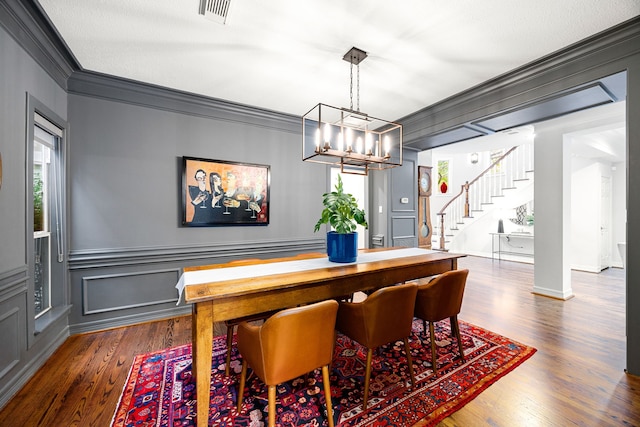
(348,138)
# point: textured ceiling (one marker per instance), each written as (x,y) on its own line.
(286,55)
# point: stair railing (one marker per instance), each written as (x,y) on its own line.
(500,175)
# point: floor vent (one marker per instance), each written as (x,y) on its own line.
(215,10)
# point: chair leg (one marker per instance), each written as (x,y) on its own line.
(434,359)
(327,393)
(367,377)
(409,361)
(272,405)
(455,326)
(243,377)
(229,344)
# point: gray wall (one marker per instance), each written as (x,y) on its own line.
(127,143)
(21,352)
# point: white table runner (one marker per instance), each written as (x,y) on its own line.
(260,270)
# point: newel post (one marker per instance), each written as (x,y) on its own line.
(442,248)
(466,199)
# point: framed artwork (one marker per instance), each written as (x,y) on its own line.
(494,155)
(219,193)
(444,171)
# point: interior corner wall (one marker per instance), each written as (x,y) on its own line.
(20,75)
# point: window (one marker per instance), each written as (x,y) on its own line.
(41,227)
(48,296)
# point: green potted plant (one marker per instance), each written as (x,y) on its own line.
(342,213)
(529,219)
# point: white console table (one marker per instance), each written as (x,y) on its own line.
(508,241)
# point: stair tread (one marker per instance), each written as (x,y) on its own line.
(457,223)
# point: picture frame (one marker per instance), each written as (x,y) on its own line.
(224,193)
(443,168)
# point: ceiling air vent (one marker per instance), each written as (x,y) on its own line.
(215,10)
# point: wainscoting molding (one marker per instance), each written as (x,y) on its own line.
(113,292)
(405,242)
(10,338)
(28,367)
(403,231)
(13,281)
(123,286)
(191,254)
(13,290)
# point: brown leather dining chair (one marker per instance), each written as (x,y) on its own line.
(384,316)
(232,323)
(287,345)
(439,299)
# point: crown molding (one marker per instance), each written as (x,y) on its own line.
(598,56)
(118,89)
(32,30)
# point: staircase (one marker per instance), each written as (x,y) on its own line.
(506,183)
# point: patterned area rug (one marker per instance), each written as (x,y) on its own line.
(160,390)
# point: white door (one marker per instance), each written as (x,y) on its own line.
(605,222)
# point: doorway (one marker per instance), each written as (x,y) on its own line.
(357,186)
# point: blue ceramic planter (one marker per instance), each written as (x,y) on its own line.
(342,247)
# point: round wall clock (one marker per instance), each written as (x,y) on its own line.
(424,181)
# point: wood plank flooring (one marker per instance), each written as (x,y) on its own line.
(576,378)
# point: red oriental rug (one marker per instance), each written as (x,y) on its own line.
(160,390)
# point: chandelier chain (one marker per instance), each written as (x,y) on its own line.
(351,85)
(358,89)
(357,86)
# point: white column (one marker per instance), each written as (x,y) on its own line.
(552,195)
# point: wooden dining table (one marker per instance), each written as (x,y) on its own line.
(233,290)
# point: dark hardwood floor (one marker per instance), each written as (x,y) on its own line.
(576,378)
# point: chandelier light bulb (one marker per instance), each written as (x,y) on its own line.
(317,139)
(340,141)
(359,145)
(368,142)
(349,139)
(387,145)
(327,136)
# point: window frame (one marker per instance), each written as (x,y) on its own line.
(60,291)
